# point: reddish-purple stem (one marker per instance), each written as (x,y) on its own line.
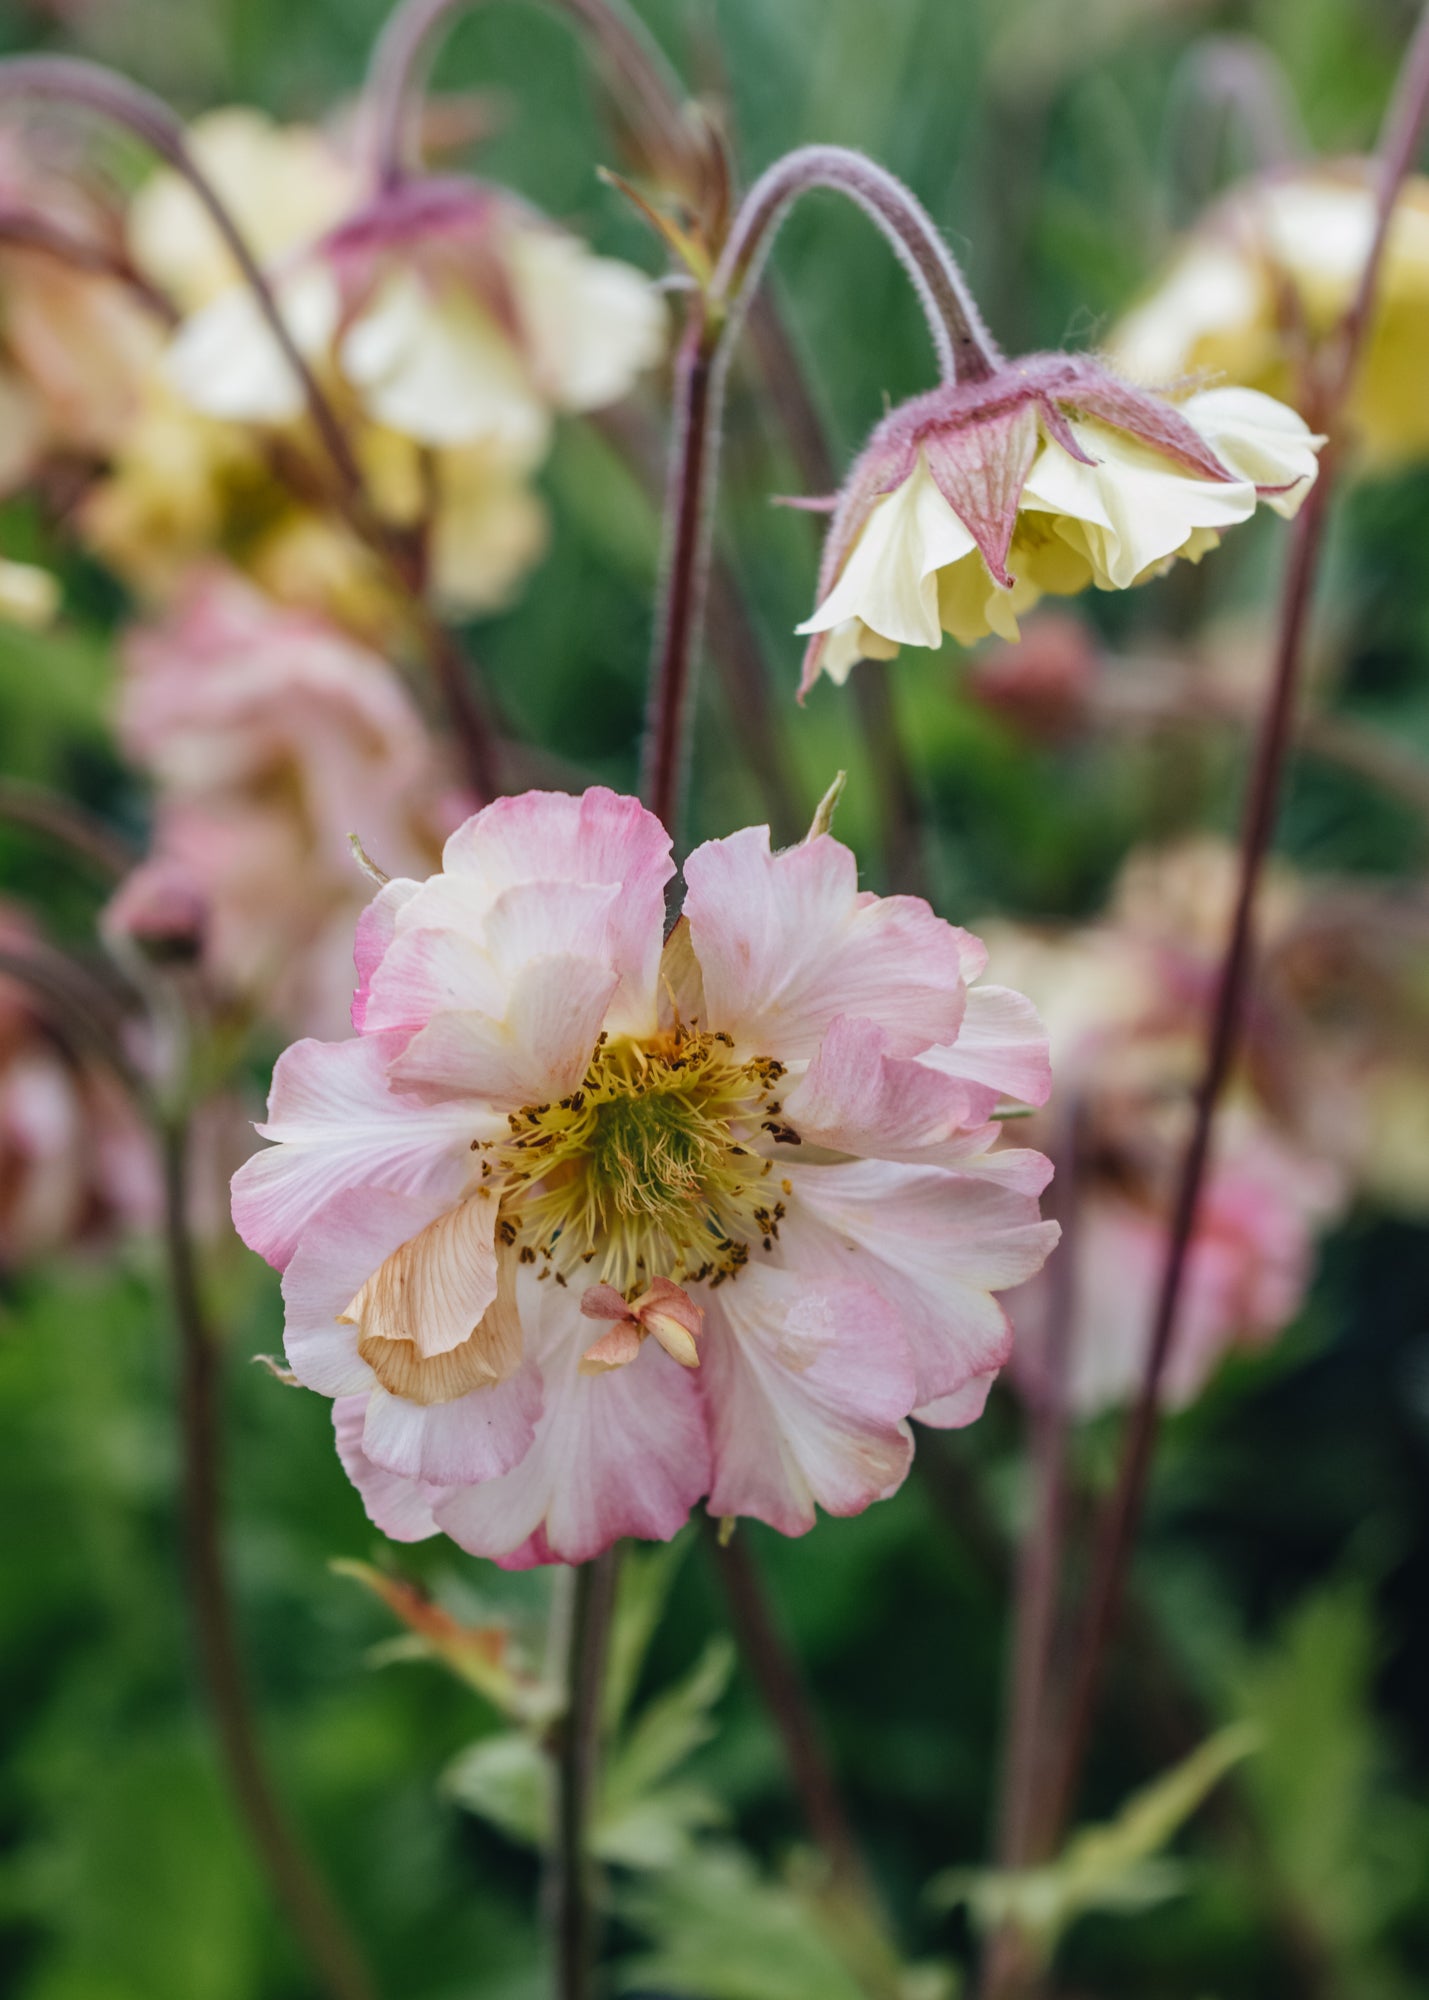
(1403,127)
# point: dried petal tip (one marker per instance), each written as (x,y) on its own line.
(663,1310)
(969,504)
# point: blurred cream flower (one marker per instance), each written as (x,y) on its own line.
(28,595)
(450,311)
(1267,275)
(971,503)
(282,184)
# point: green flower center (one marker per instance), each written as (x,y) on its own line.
(656,1167)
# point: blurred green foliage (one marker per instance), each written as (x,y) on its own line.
(1287,1570)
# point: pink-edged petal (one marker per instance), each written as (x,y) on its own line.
(400,1508)
(453,953)
(936,1244)
(1001,1043)
(808,1381)
(536,1054)
(339,1124)
(376,928)
(857,1098)
(615,1454)
(596,837)
(434,1288)
(786,944)
(963,1407)
(480,1436)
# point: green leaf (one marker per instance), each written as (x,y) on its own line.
(509,1781)
(717,1932)
(1110,1868)
(1348,1848)
(646,1576)
(669,1728)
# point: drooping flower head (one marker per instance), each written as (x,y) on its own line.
(585,1224)
(272,738)
(1270,271)
(970,503)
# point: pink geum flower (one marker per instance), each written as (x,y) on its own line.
(586,1225)
(272,738)
(970,503)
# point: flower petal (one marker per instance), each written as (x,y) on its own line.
(225,362)
(433,1290)
(621,1453)
(433,365)
(1259,439)
(536,1053)
(786,944)
(889,581)
(400,1508)
(934,1243)
(1132,510)
(595,837)
(340,1124)
(1001,1044)
(808,1381)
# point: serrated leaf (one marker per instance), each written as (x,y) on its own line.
(646,1576)
(718,1932)
(669,1729)
(1111,1868)
(509,1781)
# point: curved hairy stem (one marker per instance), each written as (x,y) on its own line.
(965,351)
(1404,125)
(648,89)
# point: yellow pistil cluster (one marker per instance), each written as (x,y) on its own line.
(649,1169)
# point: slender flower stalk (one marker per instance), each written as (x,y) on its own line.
(294,1880)
(574,1922)
(901,830)
(965,352)
(1403,128)
(83,834)
(781,1685)
(83,1014)
(648,89)
(1039,1570)
(1040,1554)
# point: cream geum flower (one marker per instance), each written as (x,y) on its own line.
(585,1223)
(455,315)
(1269,272)
(970,503)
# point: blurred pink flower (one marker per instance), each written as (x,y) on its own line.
(75,1161)
(1251,1259)
(783,1112)
(1124,1002)
(271,737)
